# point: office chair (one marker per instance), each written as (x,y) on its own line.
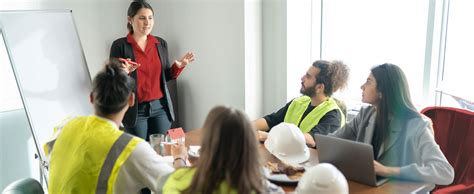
(454,132)
(24,186)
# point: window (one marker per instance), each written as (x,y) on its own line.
(371,32)
(458,74)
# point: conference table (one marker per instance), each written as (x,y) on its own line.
(393,186)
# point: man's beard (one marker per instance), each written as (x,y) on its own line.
(309,91)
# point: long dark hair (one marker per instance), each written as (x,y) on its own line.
(111,88)
(333,75)
(133,9)
(395,100)
(229,153)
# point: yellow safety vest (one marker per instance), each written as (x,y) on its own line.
(87,156)
(181,180)
(299,105)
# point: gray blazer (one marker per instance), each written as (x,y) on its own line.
(410,146)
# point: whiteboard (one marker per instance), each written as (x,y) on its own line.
(49,67)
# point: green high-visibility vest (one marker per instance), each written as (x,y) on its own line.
(299,105)
(87,156)
(181,180)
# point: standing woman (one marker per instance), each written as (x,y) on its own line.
(154,112)
(402,139)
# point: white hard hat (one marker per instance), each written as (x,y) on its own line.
(322,178)
(287,143)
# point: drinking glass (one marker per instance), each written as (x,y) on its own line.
(156,142)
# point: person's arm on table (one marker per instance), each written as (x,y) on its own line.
(180,155)
(262,125)
(386,171)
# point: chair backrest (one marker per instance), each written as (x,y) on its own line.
(454,132)
(24,186)
(456,189)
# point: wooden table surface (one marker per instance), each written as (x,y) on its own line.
(394,186)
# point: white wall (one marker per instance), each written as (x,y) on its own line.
(214,30)
(274,25)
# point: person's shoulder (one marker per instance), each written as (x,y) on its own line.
(183,172)
(183,175)
(160,39)
(74,120)
(136,139)
(420,122)
(140,144)
(334,113)
(120,40)
(179,180)
(367,109)
(142,152)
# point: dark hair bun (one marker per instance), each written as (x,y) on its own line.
(111,88)
(109,70)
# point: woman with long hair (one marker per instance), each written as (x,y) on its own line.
(153,111)
(402,139)
(229,159)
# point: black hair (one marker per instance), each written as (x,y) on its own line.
(333,75)
(111,88)
(395,100)
(133,9)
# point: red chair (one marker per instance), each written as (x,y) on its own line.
(454,132)
(456,189)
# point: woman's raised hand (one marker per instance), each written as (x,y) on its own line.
(185,60)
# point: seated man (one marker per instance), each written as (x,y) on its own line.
(315,112)
(91,154)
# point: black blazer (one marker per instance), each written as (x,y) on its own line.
(121,48)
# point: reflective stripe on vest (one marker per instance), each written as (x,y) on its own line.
(299,105)
(87,156)
(110,162)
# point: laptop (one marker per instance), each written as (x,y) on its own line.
(353,159)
